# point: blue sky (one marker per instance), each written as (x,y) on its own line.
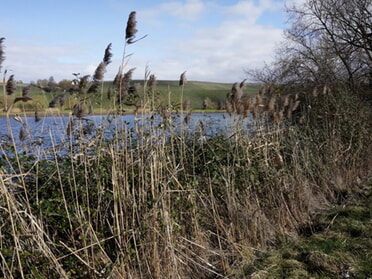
(213,40)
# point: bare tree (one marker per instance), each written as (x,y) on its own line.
(328,41)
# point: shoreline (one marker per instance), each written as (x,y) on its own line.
(67,114)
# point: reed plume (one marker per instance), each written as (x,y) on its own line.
(22,135)
(118,78)
(10,85)
(83,82)
(284,102)
(122,84)
(59,99)
(152,82)
(236,93)
(99,72)
(2,55)
(37,117)
(187,118)
(183,79)
(70,126)
(131,30)
(127,78)
(242,84)
(23,99)
(93,88)
(78,110)
(108,55)
(26,91)
(270,108)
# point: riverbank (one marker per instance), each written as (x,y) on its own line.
(57,113)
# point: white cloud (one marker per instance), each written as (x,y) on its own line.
(213,42)
(222,53)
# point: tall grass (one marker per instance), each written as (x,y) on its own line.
(153,202)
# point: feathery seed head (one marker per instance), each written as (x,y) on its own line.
(100,70)
(25,91)
(118,78)
(271,104)
(94,87)
(2,56)
(78,110)
(108,55)
(127,78)
(152,82)
(236,92)
(22,135)
(10,85)
(131,30)
(37,117)
(242,83)
(83,82)
(182,79)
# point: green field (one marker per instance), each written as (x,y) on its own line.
(166,91)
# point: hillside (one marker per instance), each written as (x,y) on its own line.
(166,91)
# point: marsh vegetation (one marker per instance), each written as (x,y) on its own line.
(289,199)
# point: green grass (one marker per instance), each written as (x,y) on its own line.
(337,243)
(195,92)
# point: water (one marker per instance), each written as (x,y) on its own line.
(51,132)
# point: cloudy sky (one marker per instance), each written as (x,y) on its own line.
(213,40)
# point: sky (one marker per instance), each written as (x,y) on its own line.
(212,40)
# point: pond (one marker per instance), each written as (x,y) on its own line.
(25,134)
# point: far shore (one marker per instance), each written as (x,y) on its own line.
(55,113)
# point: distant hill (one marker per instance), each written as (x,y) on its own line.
(195,92)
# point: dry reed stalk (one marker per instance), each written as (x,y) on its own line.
(247,105)
(240,109)
(295,106)
(270,108)
(325,89)
(258,101)
(315,93)
(284,101)
(229,108)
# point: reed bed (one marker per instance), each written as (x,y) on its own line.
(155,201)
